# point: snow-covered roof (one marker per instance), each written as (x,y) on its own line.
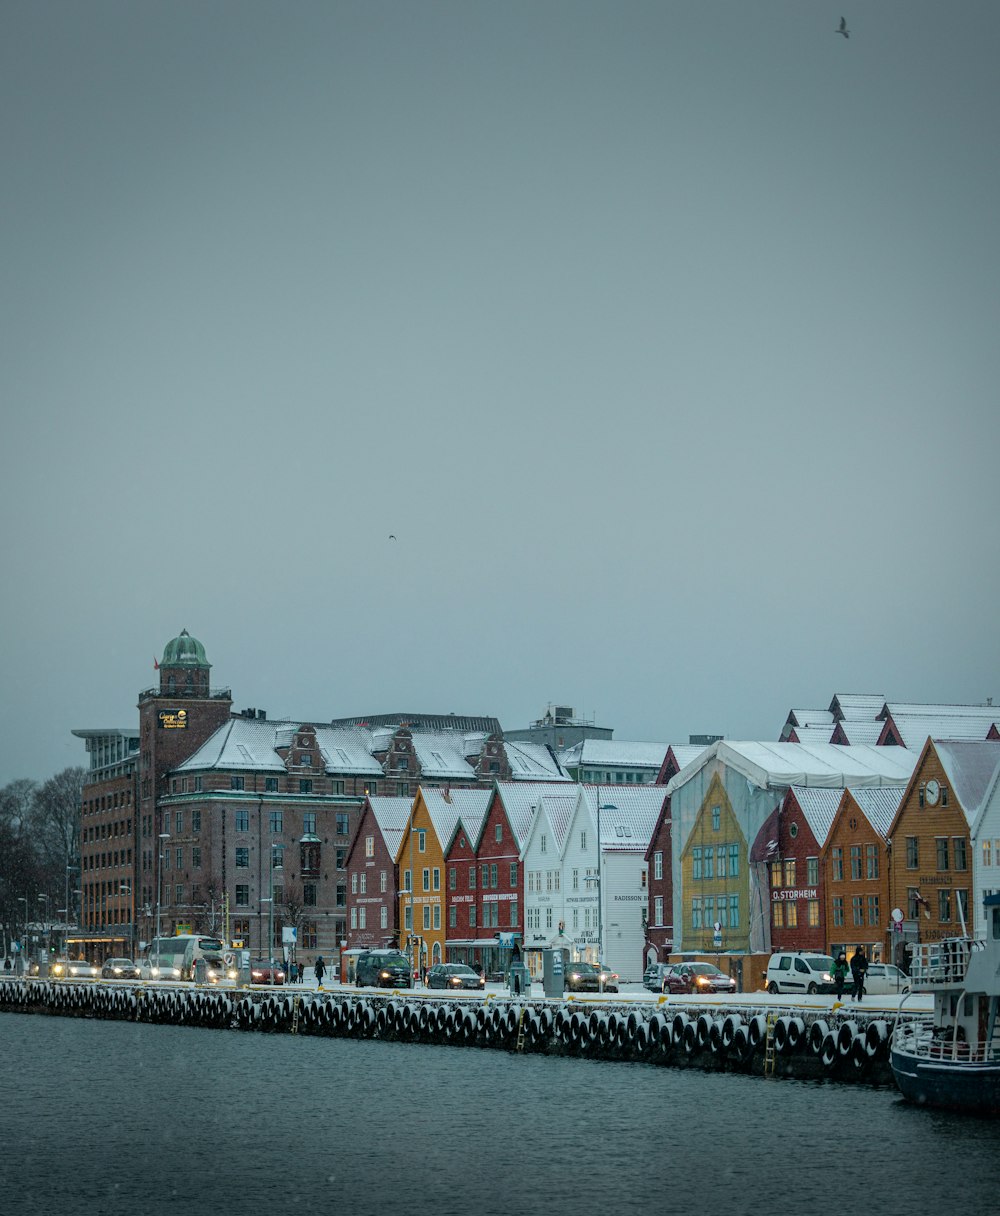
(819,806)
(970,722)
(833,765)
(857,707)
(251,744)
(813,734)
(687,753)
(446,807)
(879,805)
(811,717)
(532,762)
(607,753)
(856,731)
(441,755)
(628,813)
(522,799)
(970,767)
(392,815)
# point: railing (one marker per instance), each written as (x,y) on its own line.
(940,964)
(921,1042)
(186,693)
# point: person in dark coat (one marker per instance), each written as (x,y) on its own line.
(840,974)
(859,968)
(320,968)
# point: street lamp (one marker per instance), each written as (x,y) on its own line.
(607,806)
(23,899)
(159,883)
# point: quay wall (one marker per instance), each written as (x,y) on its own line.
(844,1044)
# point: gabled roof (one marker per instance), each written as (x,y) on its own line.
(779,765)
(811,717)
(856,707)
(522,800)
(818,806)
(441,755)
(879,805)
(532,762)
(855,731)
(607,753)
(392,816)
(446,807)
(970,767)
(812,734)
(687,753)
(628,814)
(971,722)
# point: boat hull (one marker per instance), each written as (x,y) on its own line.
(950,1084)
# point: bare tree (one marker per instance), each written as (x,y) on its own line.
(16,802)
(55,818)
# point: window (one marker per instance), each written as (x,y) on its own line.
(734,911)
(495,880)
(485,876)
(277,856)
(437,916)
(855,861)
(778,914)
(812,871)
(792,914)
(179,822)
(912,853)
(657,867)
(242,895)
(452,878)
(309,895)
(472,916)
(812,913)
(383,885)
(242,821)
(734,861)
(383,917)
(789,871)
(512,876)
(696,862)
(452,916)
(197,785)
(873,909)
(305,785)
(178,894)
(912,903)
(942,852)
(472,877)
(716,818)
(513,913)
(962,899)
(944,904)
(857,910)
(195,858)
(837,865)
(354,918)
(871,863)
(309,823)
(341,894)
(583,840)
(696,913)
(196,821)
(242,858)
(421,841)
(277,820)
(354,884)
(343,824)
(658,910)
(708,862)
(498,833)
(426,878)
(270,785)
(340,858)
(369,846)
(709,911)
(408,918)
(436,879)
(721,860)
(959,853)
(236,783)
(987,853)
(543,843)
(838,910)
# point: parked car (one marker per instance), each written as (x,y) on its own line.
(795,971)
(267,971)
(582,977)
(652,977)
(697,978)
(119,969)
(884,979)
(383,969)
(453,976)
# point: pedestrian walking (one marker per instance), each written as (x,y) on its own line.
(840,974)
(320,968)
(859,968)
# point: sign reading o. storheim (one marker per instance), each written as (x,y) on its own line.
(172,719)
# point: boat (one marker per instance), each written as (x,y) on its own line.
(953,1060)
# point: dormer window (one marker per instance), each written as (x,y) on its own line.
(305,759)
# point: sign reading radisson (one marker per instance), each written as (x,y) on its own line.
(172,719)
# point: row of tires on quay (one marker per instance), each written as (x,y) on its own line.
(733,1038)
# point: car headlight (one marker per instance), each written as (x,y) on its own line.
(701,981)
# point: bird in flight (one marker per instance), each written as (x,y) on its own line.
(842,28)
(391,537)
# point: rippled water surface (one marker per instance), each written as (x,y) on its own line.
(110,1117)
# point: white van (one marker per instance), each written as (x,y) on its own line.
(801,971)
(883,979)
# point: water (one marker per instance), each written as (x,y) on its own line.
(139,1119)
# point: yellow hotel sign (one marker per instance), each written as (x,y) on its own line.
(173,719)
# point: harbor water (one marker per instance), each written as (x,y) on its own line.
(138,1119)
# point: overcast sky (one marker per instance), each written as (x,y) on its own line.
(663,337)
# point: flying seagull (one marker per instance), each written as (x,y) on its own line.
(391,537)
(842,29)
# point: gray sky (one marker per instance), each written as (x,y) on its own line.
(662,336)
